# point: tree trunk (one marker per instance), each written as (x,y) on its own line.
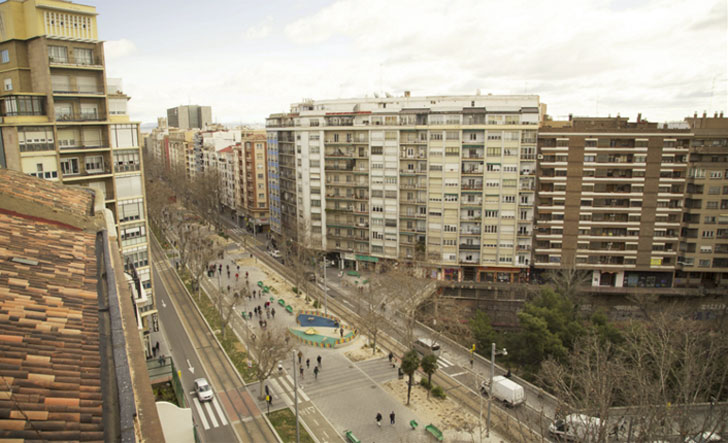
(409,388)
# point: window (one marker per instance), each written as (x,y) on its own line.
(58,54)
(708,234)
(123,136)
(69,166)
(94,164)
(8,83)
(131,210)
(133,234)
(126,161)
(35,139)
(129,186)
(509,199)
(22,105)
(83,56)
(492,229)
(4,56)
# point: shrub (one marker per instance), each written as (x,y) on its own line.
(295,290)
(425,384)
(315,304)
(438,392)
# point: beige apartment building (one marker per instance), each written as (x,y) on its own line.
(251,200)
(446,182)
(63,120)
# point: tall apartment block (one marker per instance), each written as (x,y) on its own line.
(703,250)
(189,117)
(609,200)
(444,182)
(62,120)
(251,199)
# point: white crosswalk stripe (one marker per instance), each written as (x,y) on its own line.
(441,362)
(210,412)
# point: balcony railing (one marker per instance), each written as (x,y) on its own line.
(78,91)
(78,61)
(78,116)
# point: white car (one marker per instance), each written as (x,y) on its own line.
(203,390)
(705,437)
(275,253)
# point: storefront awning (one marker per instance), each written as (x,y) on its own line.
(367,258)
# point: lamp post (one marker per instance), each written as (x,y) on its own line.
(295,395)
(326,292)
(493,353)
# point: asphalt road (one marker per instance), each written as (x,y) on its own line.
(233,415)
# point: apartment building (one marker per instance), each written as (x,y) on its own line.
(252,187)
(703,250)
(447,182)
(189,117)
(62,120)
(610,199)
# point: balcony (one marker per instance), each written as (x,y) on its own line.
(94,62)
(469,246)
(78,91)
(83,116)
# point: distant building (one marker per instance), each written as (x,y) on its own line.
(189,117)
(63,120)
(74,366)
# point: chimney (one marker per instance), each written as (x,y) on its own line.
(406,94)
(715,115)
(721,114)
(571,116)
(639,117)
(695,115)
(705,114)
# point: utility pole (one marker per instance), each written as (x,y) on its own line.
(295,395)
(490,388)
(326,292)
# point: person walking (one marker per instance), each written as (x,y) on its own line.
(379,419)
(341,332)
(315,372)
(308,363)
(300,356)
(318,359)
(267,392)
(300,369)
(391,356)
(273,312)
(391,418)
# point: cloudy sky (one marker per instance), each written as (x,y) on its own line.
(247,59)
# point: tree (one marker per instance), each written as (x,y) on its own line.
(429,366)
(374,314)
(567,280)
(269,348)
(410,363)
(481,330)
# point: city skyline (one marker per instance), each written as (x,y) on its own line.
(665,59)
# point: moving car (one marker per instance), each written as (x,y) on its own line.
(426,346)
(203,390)
(705,437)
(275,253)
(575,427)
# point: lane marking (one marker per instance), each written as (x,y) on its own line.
(458,374)
(208,408)
(200,413)
(223,420)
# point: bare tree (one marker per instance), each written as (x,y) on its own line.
(269,347)
(567,281)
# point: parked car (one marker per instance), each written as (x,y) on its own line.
(203,390)
(310,276)
(575,427)
(705,437)
(275,253)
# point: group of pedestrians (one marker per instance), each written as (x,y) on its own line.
(379,418)
(316,368)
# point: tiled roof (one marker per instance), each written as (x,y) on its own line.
(50,364)
(53,195)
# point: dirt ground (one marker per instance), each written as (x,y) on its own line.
(361,352)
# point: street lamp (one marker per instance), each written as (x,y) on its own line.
(326,292)
(493,353)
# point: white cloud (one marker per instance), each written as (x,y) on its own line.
(115,49)
(259,31)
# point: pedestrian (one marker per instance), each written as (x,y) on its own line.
(228,285)
(267,392)
(246,274)
(239,270)
(341,332)
(260,322)
(391,356)
(391,418)
(379,419)
(301,371)
(300,356)
(267,314)
(273,312)
(318,359)
(250,315)
(315,372)
(156,345)
(236,276)
(270,399)
(308,363)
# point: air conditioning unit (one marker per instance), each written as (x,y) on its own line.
(539,156)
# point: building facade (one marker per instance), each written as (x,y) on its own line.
(446,182)
(609,200)
(252,175)
(189,117)
(63,120)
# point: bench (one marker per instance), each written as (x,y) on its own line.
(260,283)
(281,302)
(266,289)
(245,315)
(432,429)
(351,437)
(272,299)
(289,308)
(413,424)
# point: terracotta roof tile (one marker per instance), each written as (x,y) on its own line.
(49,336)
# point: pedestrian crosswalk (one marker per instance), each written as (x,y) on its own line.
(282,388)
(210,413)
(443,363)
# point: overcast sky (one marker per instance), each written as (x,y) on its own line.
(247,59)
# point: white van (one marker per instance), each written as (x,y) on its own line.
(575,427)
(426,346)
